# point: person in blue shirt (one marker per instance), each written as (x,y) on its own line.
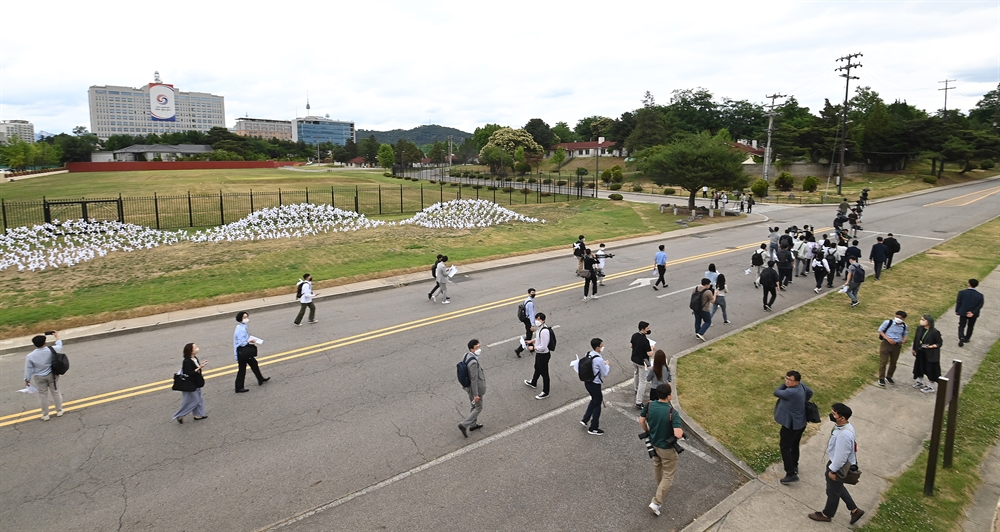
(529,319)
(660,261)
(893,334)
(242,339)
(600,368)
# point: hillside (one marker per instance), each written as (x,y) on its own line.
(419,135)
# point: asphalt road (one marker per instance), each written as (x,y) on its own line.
(357,428)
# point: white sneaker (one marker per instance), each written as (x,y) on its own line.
(594,297)
(585,298)
(446,301)
(918,384)
(542,395)
(59,413)
(927,389)
(816,290)
(434,298)
(655,508)
(45,417)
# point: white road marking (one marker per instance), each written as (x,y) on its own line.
(633,415)
(677,292)
(518,337)
(907,236)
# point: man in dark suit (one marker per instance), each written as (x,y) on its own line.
(877,256)
(893,246)
(790,413)
(967,307)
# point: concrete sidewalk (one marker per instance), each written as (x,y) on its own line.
(891,423)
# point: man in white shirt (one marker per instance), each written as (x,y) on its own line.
(38,365)
(305,290)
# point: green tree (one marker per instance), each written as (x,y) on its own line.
(693,162)
(859,106)
(957,150)
(17,154)
(407,153)
(558,158)
(694,110)
(495,158)
(509,140)
(987,111)
(386,156)
(541,132)
(350,149)
(466,151)
(438,152)
(369,149)
(482,135)
(743,119)
(563,133)
(583,128)
(621,129)
(650,130)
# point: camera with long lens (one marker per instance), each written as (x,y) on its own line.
(649,443)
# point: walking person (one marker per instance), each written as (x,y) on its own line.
(192,401)
(641,353)
(592,369)
(750,204)
(832,261)
(821,269)
(878,256)
(38,367)
(893,334)
(660,263)
(541,346)
(926,354)
(245,352)
(441,273)
(786,262)
(769,283)
(968,304)
(712,274)
(701,304)
(526,314)
(841,454)
(589,275)
(305,295)
(664,428)
(757,261)
(790,413)
(854,251)
(720,298)
(601,256)
(799,252)
(578,250)
(893,247)
(430,295)
(773,238)
(658,373)
(476,388)
(855,276)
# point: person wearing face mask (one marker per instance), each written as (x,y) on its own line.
(893,334)
(642,351)
(527,318)
(476,388)
(245,352)
(540,345)
(594,376)
(192,401)
(841,450)
(927,354)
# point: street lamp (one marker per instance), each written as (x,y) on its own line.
(597,167)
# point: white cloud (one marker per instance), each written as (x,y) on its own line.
(390,64)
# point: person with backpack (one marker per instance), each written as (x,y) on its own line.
(892,246)
(855,276)
(878,256)
(769,282)
(589,274)
(304,293)
(663,424)
(820,268)
(750,204)
(802,262)
(790,413)
(38,366)
(701,305)
(592,370)
(601,255)
(773,238)
(757,262)
(641,352)
(842,454)
(578,251)
(853,251)
(526,315)
(830,253)
(437,284)
(893,334)
(543,346)
(474,384)
(786,262)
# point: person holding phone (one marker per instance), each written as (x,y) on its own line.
(192,401)
(245,352)
(38,365)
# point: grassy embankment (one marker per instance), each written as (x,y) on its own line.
(186,275)
(826,340)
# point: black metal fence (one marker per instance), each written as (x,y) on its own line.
(207,210)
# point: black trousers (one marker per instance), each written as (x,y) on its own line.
(593,413)
(527,333)
(965,326)
(774,293)
(835,491)
(661,269)
(542,370)
(878,268)
(888,260)
(784,276)
(789,444)
(819,274)
(588,282)
(241,373)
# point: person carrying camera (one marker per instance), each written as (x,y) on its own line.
(664,427)
(38,365)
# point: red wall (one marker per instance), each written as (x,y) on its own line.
(179,165)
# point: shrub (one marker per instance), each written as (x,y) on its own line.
(525,191)
(466,174)
(810,183)
(560,183)
(784,182)
(477,187)
(986,164)
(581,171)
(669,191)
(532,180)
(519,180)
(507,189)
(616,197)
(546,181)
(616,175)
(606,176)
(931,179)
(453,184)
(590,185)
(431,181)
(522,167)
(466,185)
(759,188)
(545,194)
(636,188)
(491,187)
(387,174)
(615,186)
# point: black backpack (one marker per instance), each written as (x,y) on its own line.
(434,270)
(298,290)
(462,368)
(696,300)
(757,259)
(859,274)
(552,338)
(586,368)
(895,246)
(60,362)
(522,311)
(578,248)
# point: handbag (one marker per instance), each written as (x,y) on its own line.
(584,273)
(247,351)
(183,383)
(812,412)
(849,474)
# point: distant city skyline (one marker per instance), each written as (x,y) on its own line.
(464,65)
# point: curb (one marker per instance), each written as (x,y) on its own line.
(18,345)
(894,198)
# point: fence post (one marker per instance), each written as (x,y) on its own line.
(121,209)
(46,213)
(251,201)
(222,210)
(156,208)
(3,209)
(307,194)
(380,199)
(932,454)
(190,211)
(442,191)
(356,200)
(279,197)
(949,435)
(400,199)
(333,197)
(421,196)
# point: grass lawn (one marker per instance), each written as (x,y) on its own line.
(186,275)
(904,505)
(832,345)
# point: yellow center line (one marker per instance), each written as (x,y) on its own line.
(981,198)
(963,196)
(230,369)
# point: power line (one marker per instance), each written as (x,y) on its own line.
(946,89)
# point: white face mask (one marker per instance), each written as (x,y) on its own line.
(898,320)
(477,352)
(538,323)
(246,321)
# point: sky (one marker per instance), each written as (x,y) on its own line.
(389,64)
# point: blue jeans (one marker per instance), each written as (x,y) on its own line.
(852,291)
(702,321)
(593,413)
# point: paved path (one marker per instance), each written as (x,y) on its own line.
(892,424)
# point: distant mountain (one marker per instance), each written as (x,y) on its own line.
(419,135)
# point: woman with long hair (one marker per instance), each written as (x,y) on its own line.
(658,373)
(192,401)
(720,297)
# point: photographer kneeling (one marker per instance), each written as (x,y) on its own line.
(663,425)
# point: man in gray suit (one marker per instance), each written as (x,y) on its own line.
(476,389)
(790,413)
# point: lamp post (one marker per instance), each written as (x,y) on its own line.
(597,166)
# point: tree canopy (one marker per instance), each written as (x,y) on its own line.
(695,161)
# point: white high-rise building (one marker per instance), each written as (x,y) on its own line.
(21,129)
(153,108)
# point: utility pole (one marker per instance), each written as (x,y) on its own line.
(450,138)
(770,129)
(946,89)
(843,122)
